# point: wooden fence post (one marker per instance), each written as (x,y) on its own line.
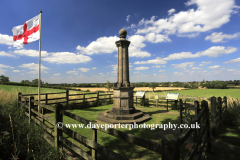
(213,117)
(84,100)
(94,139)
(19,99)
(206,116)
(43,109)
(97,98)
(167,104)
(31,104)
(156,103)
(180,108)
(220,107)
(196,131)
(176,104)
(170,148)
(58,118)
(67,97)
(46,97)
(225,99)
(109,96)
(136,101)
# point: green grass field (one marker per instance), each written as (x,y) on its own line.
(158,115)
(233,93)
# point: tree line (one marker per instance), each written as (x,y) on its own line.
(193,85)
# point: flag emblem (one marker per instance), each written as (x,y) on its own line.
(27,33)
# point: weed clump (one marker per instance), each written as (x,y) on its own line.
(19,139)
(232,115)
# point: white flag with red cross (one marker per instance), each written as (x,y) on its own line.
(26,33)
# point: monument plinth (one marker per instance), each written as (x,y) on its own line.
(123,110)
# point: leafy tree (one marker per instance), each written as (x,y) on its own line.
(236,83)
(109,85)
(186,85)
(153,85)
(4,79)
(35,81)
(74,85)
(25,81)
(46,84)
(146,85)
(89,85)
(97,84)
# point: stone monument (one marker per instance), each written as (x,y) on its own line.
(123,111)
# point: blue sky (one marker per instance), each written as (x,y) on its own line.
(170,40)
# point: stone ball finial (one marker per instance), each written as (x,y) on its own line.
(122,33)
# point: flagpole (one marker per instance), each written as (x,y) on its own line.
(39,67)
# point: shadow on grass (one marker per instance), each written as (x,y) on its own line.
(156,112)
(226,144)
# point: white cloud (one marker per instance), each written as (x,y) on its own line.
(132,26)
(196,68)
(72,72)
(141,68)
(233,61)
(5,66)
(178,73)
(208,15)
(6,39)
(83,69)
(128,18)
(2,53)
(158,60)
(154,74)
(94,68)
(66,57)
(34,67)
(2,71)
(216,51)
(136,45)
(57,74)
(184,65)
(214,67)
(30,52)
(171,11)
(210,52)
(107,45)
(161,71)
(188,35)
(230,70)
(101,45)
(157,66)
(155,38)
(137,40)
(219,37)
(114,67)
(204,63)
(136,72)
(16,71)
(181,56)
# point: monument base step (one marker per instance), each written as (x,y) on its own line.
(102,118)
(136,115)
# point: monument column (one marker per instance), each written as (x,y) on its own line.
(123,110)
(123,63)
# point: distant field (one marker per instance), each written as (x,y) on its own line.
(233,93)
(12,91)
(135,89)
